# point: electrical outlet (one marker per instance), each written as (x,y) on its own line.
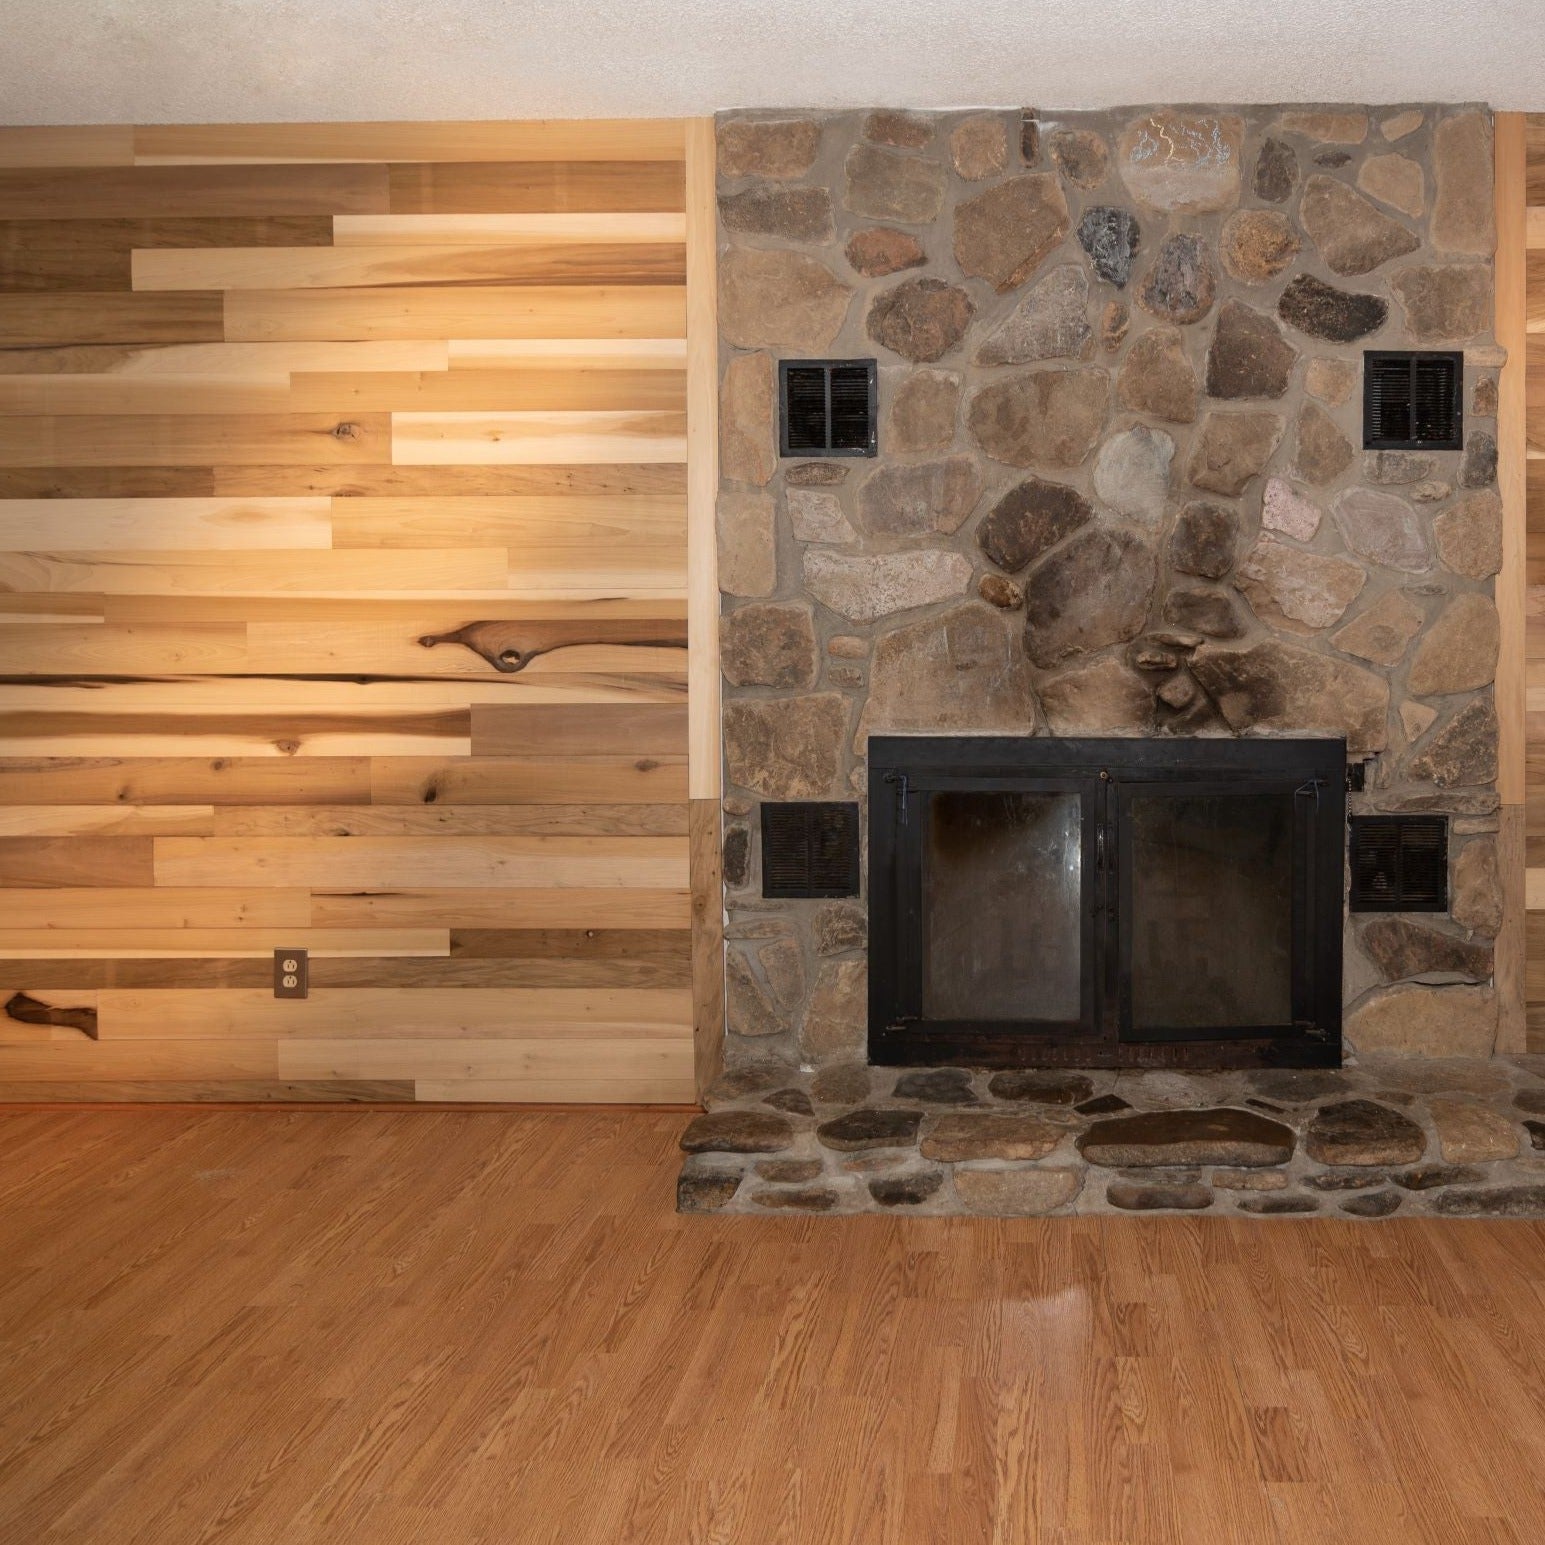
(291,974)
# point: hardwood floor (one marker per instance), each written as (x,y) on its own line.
(468,1328)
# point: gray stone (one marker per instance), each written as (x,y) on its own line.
(1156,377)
(1459,651)
(1111,237)
(920,319)
(1300,591)
(1354,236)
(1469,536)
(885,184)
(1102,1105)
(922,416)
(1275,1206)
(1518,1201)
(1231,448)
(1029,520)
(1202,611)
(1180,286)
(1039,1087)
(1183,162)
(1479,467)
(1248,356)
(879,251)
(979,147)
(1297,1085)
(750,1007)
(1464,751)
(1156,1139)
(748,396)
(1429,1177)
(952,1139)
(816,474)
(893,126)
(867,586)
(736,860)
(936,1086)
(1323,452)
(1104,698)
(779,300)
(1050,322)
(909,1190)
(1425,1022)
(1141,1198)
(1323,311)
(1531,1100)
(1279,687)
(1016,1193)
(836,1022)
(1396,467)
(1383,528)
(1081,156)
(843,1083)
(1286,510)
(1041,417)
(794,214)
(1276,172)
(705,1187)
(1131,474)
(773,147)
(785,748)
(737,1131)
(1444,302)
(795,1101)
(816,514)
(1091,592)
(755,1076)
(870,1127)
(839,926)
(1382,633)
(768,644)
(1463,217)
(1362,1132)
(1475,897)
(1002,235)
(1257,244)
(1402,947)
(1354,1180)
(786,1172)
(795,1198)
(919,498)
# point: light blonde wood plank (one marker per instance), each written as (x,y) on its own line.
(54,649)
(595,1090)
(172,943)
(92,144)
(108,526)
(609,617)
(49,396)
(107,820)
(639,523)
(617,819)
(506,230)
(496,439)
(424,1057)
(209,695)
(608,907)
(567,353)
(166,1061)
(484,391)
(173,440)
(123,907)
(527,779)
(227,364)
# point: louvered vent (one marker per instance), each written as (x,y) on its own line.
(827,407)
(1399,863)
(809,849)
(1413,399)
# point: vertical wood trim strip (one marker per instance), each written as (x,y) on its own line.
(1511,193)
(702,463)
(705,847)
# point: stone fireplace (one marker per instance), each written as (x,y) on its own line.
(1119,494)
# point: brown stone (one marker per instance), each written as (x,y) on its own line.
(1400,124)
(1002,235)
(747,404)
(737,1131)
(736,859)
(751,1007)
(1483,402)
(1249,1179)
(1114,321)
(936,1086)
(1029,520)
(1204,540)
(999,590)
(1464,751)
(918,498)
(1140,1198)
(1400,467)
(1395,180)
(864,587)
(1479,467)
(841,1083)
(795,1198)
(1041,417)
(1275,1206)
(1029,137)
(1286,510)
(754,1076)
(1382,528)
(920,319)
(1180,285)
(1156,377)
(1372,1204)
(705,1186)
(1050,322)
(795,1101)
(1080,155)
(1160,1139)
(909,1190)
(1257,244)
(1324,453)
(1382,632)
(979,146)
(1091,592)
(788,1171)
(774,147)
(768,644)
(1475,898)
(870,1127)
(1471,1133)
(1104,698)
(785,748)
(1297,590)
(794,214)
(1522,1201)
(836,1021)
(952,1139)
(1203,611)
(1276,172)
(1336,128)
(1182,162)
(1331,380)
(892,126)
(1444,301)
(746,528)
(1275,686)
(1352,234)
(1131,474)
(1362,1132)
(1402,948)
(1040,1087)
(879,251)
(839,926)
(1416,719)
(887,184)
(816,474)
(1248,356)
(1419,1021)
(1463,217)
(1231,448)
(779,300)
(1429,1177)
(816,514)
(922,416)
(1459,652)
(1016,1193)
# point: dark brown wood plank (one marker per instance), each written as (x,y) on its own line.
(642,730)
(146,192)
(83,861)
(89,317)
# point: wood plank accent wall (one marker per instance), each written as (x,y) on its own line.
(344,605)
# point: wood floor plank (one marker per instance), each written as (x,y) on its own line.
(129,525)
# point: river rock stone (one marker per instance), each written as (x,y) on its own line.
(1471,1133)
(920,319)
(1156,377)
(1429,1177)
(1040,1087)
(1182,162)
(1286,510)
(1382,528)
(1041,418)
(768,644)
(748,398)
(1204,540)
(1400,124)
(795,1101)
(1276,686)
(1080,155)
(868,586)
(771,147)
(1232,448)
(836,1019)
(786,1172)
(816,514)
(1323,311)
(1402,948)
(1002,235)
(1337,128)
(936,1086)
(1395,180)
(1029,520)
(1131,474)
(795,1198)
(909,1190)
(779,300)
(1091,592)
(1257,244)
(953,1139)
(879,251)
(1323,452)
(785,748)
(1353,235)
(1372,1204)
(1051,322)
(1111,237)
(1016,1193)
(1202,611)
(1131,1197)
(919,498)
(1464,751)
(1475,897)
(1162,1139)
(1297,590)
(868,1128)
(1416,1021)
(1459,653)
(1479,467)
(1362,1132)
(1276,172)
(1180,286)
(892,126)
(979,146)
(840,1083)
(923,411)
(884,184)
(1248,356)
(794,214)
(1463,217)
(745,524)
(704,1186)
(1519,1201)
(1104,698)
(1444,301)
(1382,633)
(737,1131)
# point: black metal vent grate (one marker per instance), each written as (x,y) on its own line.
(1413,399)
(809,849)
(1399,863)
(827,407)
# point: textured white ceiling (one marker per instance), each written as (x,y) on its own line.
(148,61)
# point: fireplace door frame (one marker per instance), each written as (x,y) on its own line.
(905,771)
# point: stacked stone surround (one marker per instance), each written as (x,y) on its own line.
(1119,490)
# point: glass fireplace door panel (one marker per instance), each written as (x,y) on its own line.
(1003,906)
(1207,882)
